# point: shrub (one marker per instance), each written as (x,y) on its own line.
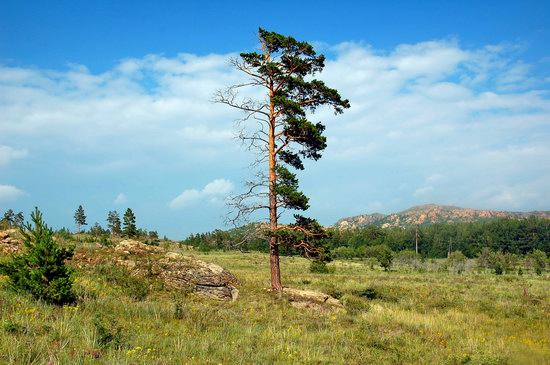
(41,269)
(109,333)
(456,261)
(65,234)
(382,253)
(409,258)
(105,241)
(14,328)
(369,293)
(136,288)
(537,260)
(344,252)
(484,259)
(354,304)
(499,269)
(320,267)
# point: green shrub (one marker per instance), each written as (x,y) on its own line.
(456,261)
(109,333)
(136,288)
(369,293)
(105,241)
(382,253)
(409,258)
(14,328)
(537,260)
(41,269)
(320,267)
(354,304)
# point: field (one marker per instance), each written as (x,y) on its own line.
(398,317)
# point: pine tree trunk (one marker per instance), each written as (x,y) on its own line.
(273,244)
(274,264)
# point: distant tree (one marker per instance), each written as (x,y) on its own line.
(484,258)
(152,238)
(538,261)
(456,261)
(283,70)
(41,269)
(129,227)
(9,218)
(382,253)
(113,221)
(97,230)
(19,220)
(343,252)
(409,258)
(141,232)
(79,218)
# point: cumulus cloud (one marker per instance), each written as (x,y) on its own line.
(9,193)
(214,192)
(9,154)
(120,199)
(432,119)
(423,190)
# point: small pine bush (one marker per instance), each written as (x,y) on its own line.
(41,269)
(109,333)
(320,267)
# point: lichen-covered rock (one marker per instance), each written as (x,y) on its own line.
(133,247)
(311,299)
(175,270)
(10,242)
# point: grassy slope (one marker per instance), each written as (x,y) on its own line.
(418,318)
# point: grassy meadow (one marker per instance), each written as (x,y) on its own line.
(398,317)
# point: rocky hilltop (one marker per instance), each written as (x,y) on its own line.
(430,214)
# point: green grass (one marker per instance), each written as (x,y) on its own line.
(398,317)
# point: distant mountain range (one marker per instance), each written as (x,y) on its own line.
(430,214)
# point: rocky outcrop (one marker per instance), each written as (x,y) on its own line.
(175,270)
(311,299)
(430,214)
(9,242)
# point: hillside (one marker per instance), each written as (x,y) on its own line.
(430,214)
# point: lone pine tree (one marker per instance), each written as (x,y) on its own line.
(129,229)
(79,218)
(284,70)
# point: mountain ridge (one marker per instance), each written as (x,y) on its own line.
(430,214)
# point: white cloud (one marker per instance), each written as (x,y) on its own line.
(213,192)
(120,199)
(434,178)
(9,154)
(477,117)
(423,190)
(9,193)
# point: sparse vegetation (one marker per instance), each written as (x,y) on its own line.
(400,316)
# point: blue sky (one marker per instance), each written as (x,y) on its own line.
(107,104)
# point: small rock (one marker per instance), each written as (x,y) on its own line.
(312,299)
(9,242)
